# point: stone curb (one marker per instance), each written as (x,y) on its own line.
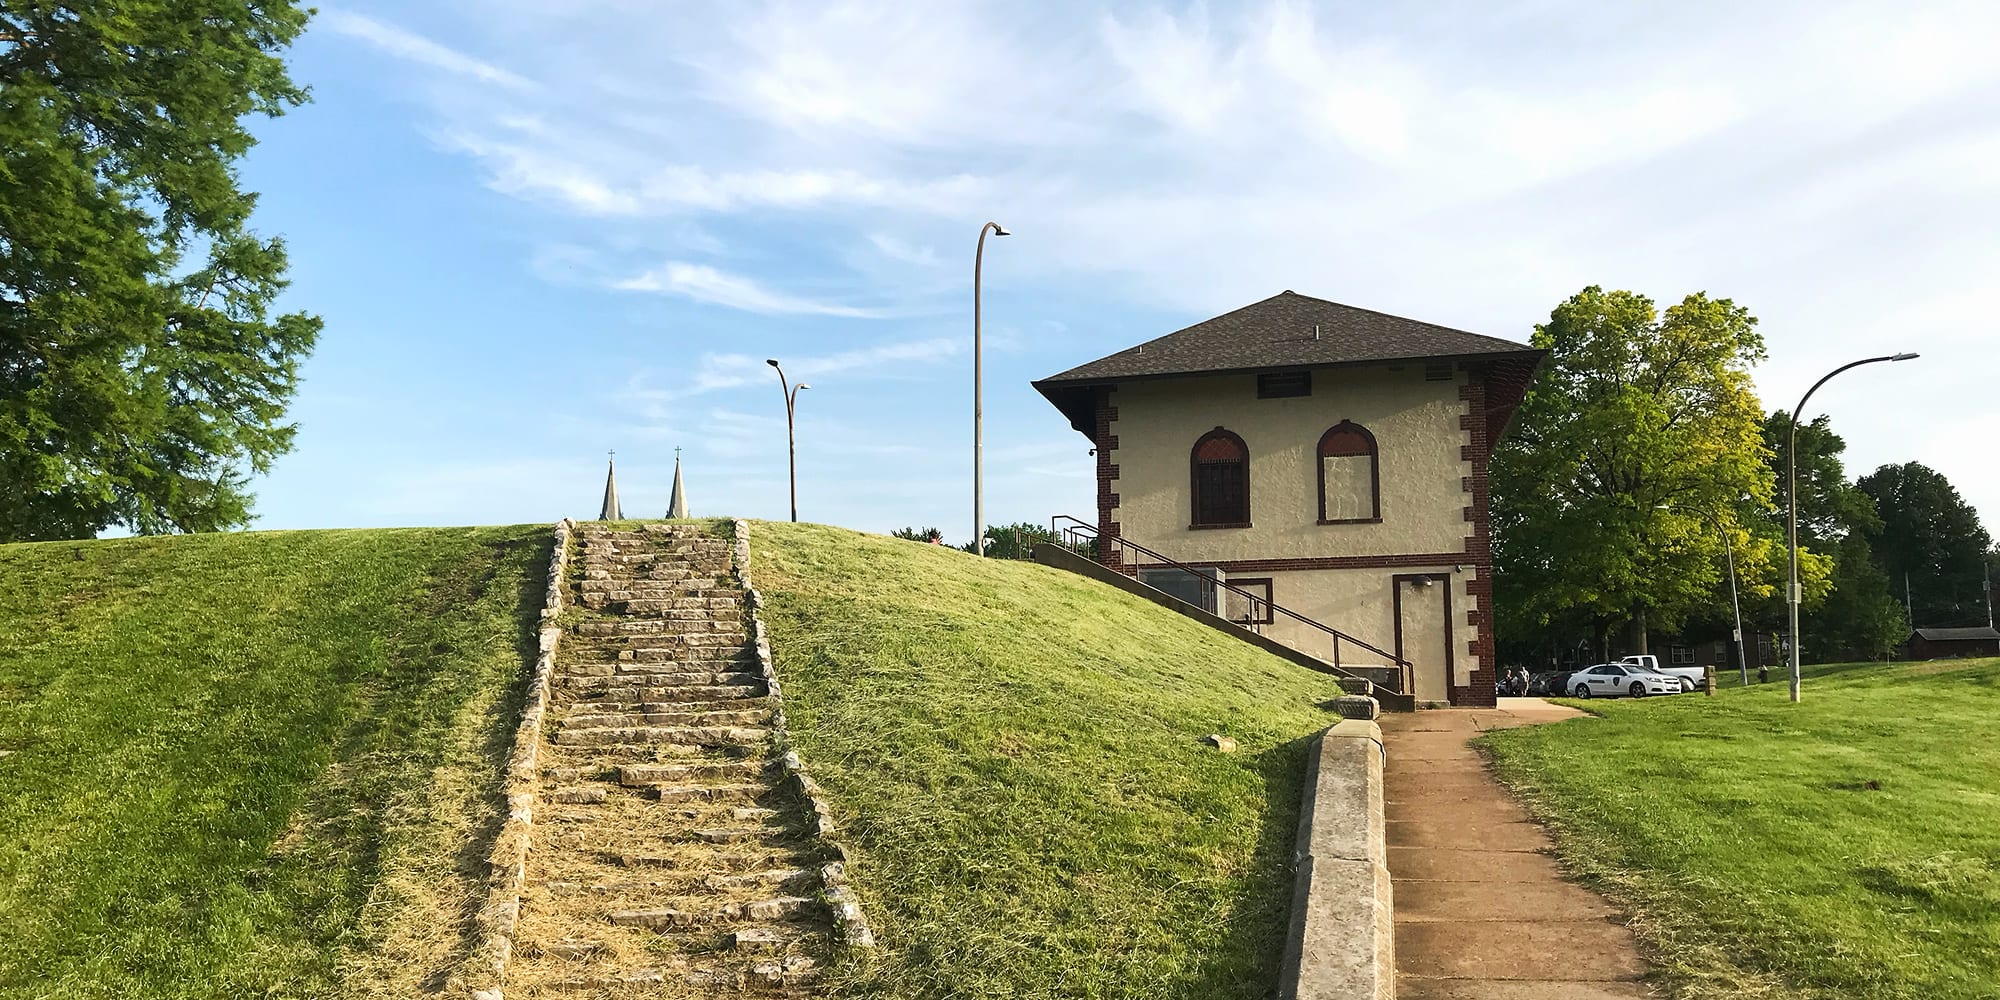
(509,859)
(1342,942)
(850,925)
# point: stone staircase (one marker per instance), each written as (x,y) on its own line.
(676,847)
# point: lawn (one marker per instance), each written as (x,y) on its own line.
(1015,754)
(253,764)
(1845,847)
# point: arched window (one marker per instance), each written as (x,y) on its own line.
(1350,485)
(1221,481)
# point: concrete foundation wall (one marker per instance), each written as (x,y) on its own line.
(1342,943)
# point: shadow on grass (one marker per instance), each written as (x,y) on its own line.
(1251,956)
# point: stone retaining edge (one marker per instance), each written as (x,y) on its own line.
(1342,942)
(497,919)
(850,925)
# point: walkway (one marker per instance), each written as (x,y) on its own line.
(1481,911)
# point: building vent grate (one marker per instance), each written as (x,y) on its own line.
(1278,385)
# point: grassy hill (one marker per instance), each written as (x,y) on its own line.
(253,764)
(1844,847)
(266,764)
(1015,753)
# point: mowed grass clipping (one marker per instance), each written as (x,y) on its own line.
(1844,847)
(254,764)
(1015,755)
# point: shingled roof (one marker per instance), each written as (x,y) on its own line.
(1981,632)
(1287,331)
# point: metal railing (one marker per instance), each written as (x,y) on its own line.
(1084,538)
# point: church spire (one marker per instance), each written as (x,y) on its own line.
(610,512)
(678,506)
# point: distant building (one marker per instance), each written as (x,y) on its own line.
(1932,643)
(1328,459)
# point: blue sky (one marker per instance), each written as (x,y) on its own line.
(538,231)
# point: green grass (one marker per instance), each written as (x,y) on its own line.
(1845,847)
(253,764)
(1015,754)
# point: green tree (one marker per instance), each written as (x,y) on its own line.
(1013,541)
(143,376)
(1930,534)
(1830,506)
(1639,438)
(1861,617)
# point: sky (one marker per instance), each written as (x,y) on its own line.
(541,232)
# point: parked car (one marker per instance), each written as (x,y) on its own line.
(1610,680)
(1548,682)
(1691,677)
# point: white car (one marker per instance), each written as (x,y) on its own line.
(1610,680)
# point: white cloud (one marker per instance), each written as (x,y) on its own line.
(404,44)
(1829,167)
(706,284)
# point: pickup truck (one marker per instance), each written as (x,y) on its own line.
(1691,677)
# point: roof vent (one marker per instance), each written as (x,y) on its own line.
(1315,331)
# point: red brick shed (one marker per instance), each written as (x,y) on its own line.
(1931,643)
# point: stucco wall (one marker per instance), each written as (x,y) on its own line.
(1361,603)
(1417,433)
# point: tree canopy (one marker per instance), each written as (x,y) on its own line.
(143,375)
(1639,445)
(1931,534)
(1859,619)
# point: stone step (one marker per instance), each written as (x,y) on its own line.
(635,775)
(775,974)
(693,669)
(598,577)
(698,736)
(637,720)
(737,835)
(710,793)
(689,680)
(644,606)
(790,880)
(777,908)
(657,626)
(675,694)
(579,795)
(716,646)
(713,863)
(705,672)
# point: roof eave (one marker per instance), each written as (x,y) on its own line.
(1526,353)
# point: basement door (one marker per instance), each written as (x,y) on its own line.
(1423,631)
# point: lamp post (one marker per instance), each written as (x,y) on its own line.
(1735,606)
(978,410)
(1793,596)
(791,438)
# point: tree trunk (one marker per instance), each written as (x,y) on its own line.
(1636,634)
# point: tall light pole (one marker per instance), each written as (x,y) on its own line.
(1735,606)
(1792,596)
(791,437)
(978,409)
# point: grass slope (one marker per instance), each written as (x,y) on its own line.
(1015,753)
(1842,847)
(253,764)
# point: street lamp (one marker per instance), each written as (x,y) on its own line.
(978,411)
(791,439)
(1735,606)
(1792,597)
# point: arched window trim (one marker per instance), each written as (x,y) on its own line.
(1374,473)
(1194,479)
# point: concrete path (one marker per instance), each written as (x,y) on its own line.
(1481,911)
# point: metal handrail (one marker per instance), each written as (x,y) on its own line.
(1077,532)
